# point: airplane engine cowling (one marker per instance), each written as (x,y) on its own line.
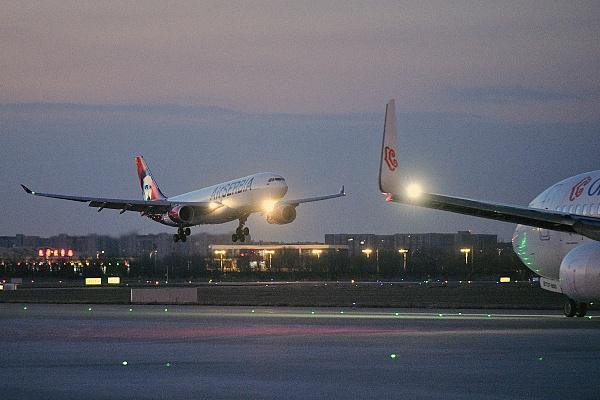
(580,273)
(281,215)
(181,214)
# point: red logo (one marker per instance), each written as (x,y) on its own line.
(390,158)
(578,189)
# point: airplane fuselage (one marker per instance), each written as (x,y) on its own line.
(239,197)
(543,250)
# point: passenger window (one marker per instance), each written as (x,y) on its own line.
(585,209)
(578,209)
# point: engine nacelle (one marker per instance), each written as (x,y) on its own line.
(580,273)
(181,214)
(282,214)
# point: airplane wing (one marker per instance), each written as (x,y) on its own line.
(296,202)
(546,219)
(143,206)
(391,184)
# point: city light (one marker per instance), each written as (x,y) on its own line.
(317,252)
(220,253)
(367,252)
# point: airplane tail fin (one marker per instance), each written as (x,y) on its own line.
(150,189)
(389,173)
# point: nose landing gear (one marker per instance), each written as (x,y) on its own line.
(241,232)
(182,234)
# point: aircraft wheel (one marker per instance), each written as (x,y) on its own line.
(239,231)
(242,239)
(234,238)
(570,308)
(176,238)
(188,231)
(581,309)
(183,238)
(246,231)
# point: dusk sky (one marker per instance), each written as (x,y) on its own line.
(495,100)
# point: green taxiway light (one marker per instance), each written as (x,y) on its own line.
(166,309)
(252,310)
(341,312)
(25,308)
(168,364)
(397,314)
(489,315)
(131,309)
(312,312)
(89,308)
(589,317)
(540,358)
(440,315)
(393,356)
(124,363)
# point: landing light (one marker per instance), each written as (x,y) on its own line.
(269,205)
(414,191)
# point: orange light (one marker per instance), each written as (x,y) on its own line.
(48,252)
(70,253)
(41,252)
(62,252)
(55,252)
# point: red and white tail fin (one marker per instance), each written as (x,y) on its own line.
(389,171)
(150,189)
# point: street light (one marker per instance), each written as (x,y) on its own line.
(466,251)
(221,253)
(270,253)
(317,252)
(367,252)
(404,252)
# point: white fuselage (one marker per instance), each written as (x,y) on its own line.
(542,250)
(238,197)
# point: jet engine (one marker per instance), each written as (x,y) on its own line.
(181,214)
(282,214)
(580,273)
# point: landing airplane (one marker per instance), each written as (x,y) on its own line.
(558,233)
(217,204)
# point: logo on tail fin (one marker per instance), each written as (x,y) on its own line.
(150,190)
(390,158)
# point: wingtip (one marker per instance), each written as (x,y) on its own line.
(26,189)
(342,191)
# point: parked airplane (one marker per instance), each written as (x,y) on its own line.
(217,204)
(558,233)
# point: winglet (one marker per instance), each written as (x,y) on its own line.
(27,190)
(342,191)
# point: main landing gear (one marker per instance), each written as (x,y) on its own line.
(572,308)
(241,232)
(182,234)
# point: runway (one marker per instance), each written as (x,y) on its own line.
(183,352)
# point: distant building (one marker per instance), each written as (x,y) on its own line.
(254,257)
(444,242)
(95,246)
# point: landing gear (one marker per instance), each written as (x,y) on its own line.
(182,234)
(581,309)
(572,308)
(241,232)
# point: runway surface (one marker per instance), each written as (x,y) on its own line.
(185,352)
